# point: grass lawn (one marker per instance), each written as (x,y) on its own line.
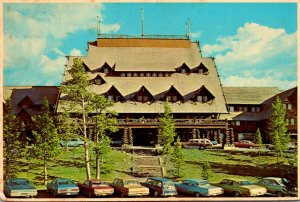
(225,164)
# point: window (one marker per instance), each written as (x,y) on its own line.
(160,74)
(148,74)
(145,98)
(174,98)
(98,81)
(231,108)
(154,74)
(129,74)
(292,121)
(123,74)
(240,109)
(237,123)
(199,98)
(245,109)
(167,74)
(169,98)
(200,71)
(183,70)
(253,109)
(106,70)
(117,98)
(111,97)
(204,98)
(289,106)
(135,74)
(139,98)
(141,74)
(257,109)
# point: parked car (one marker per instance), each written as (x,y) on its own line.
(62,186)
(215,144)
(198,187)
(197,144)
(245,144)
(159,186)
(74,142)
(275,186)
(129,187)
(19,187)
(241,188)
(95,187)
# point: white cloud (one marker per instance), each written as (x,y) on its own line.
(240,81)
(252,44)
(195,34)
(75,52)
(34,33)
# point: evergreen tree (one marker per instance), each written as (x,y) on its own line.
(278,128)
(13,147)
(206,170)
(78,102)
(105,122)
(167,129)
(259,141)
(177,158)
(46,140)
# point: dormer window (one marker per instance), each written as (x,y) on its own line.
(135,74)
(129,74)
(123,74)
(172,95)
(160,74)
(143,95)
(148,74)
(110,97)
(174,98)
(183,71)
(154,74)
(202,98)
(98,81)
(202,95)
(141,74)
(201,69)
(114,95)
(106,70)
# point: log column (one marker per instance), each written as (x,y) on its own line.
(125,137)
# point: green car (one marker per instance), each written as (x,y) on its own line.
(274,185)
(241,188)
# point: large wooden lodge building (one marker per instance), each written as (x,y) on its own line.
(140,73)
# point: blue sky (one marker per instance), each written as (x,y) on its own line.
(255,44)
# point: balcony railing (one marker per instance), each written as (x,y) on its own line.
(124,36)
(144,121)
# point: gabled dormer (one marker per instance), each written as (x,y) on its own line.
(172,95)
(203,95)
(26,103)
(106,68)
(201,69)
(143,95)
(114,95)
(86,67)
(98,80)
(183,69)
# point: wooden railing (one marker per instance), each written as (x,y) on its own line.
(145,121)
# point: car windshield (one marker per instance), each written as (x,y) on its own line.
(245,183)
(20,182)
(131,182)
(201,183)
(66,183)
(97,184)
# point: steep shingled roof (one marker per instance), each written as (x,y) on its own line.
(149,59)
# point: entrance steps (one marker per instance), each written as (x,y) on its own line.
(147,166)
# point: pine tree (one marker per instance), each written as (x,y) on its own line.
(177,158)
(206,170)
(78,102)
(105,122)
(278,128)
(259,141)
(46,140)
(167,127)
(13,147)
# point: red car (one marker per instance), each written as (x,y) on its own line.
(245,144)
(95,187)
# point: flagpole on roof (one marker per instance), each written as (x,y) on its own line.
(98,26)
(142,12)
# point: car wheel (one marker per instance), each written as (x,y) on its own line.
(279,194)
(196,194)
(155,194)
(236,194)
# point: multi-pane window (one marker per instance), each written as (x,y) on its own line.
(183,70)
(169,98)
(129,74)
(167,74)
(160,74)
(123,74)
(110,97)
(140,98)
(141,74)
(237,123)
(174,98)
(135,74)
(289,106)
(106,70)
(154,74)
(245,109)
(98,81)
(148,74)
(231,108)
(257,109)
(145,98)
(200,71)
(202,98)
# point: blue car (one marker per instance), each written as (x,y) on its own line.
(62,187)
(159,186)
(198,187)
(19,187)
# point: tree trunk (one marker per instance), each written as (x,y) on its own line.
(86,148)
(97,166)
(45,172)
